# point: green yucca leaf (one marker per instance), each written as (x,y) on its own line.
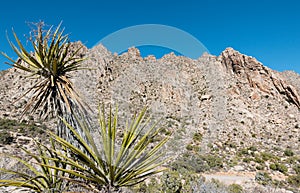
(41,178)
(105,165)
(18,184)
(92,163)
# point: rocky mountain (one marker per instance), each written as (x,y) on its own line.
(244,113)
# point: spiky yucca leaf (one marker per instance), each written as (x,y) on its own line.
(112,164)
(51,63)
(37,174)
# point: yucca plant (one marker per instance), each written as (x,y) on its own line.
(52,61)
(36,173)
(115,161)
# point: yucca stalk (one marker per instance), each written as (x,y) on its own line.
(114,162)
(37,174)
(51,63)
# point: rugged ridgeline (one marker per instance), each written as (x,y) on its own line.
(233,101)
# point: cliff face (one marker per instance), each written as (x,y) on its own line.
(249,70)
(232,100)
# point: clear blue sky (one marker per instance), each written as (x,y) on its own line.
(268,30)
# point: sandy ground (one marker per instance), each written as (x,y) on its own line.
(232,177)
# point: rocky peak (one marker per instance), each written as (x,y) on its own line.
(238,63)
(99,51)
(248,70)
(150,58)
(132,53)
(75,46)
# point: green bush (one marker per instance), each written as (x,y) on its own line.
(214,161)
(268,156)
(263,178)
(273,167)
(28,129)
(171,182)
(243,152)
(197,137)
(235,188)
(297,168)
(278,167)
(292,160)
(252,148)
(288,152)
(294,180)
(258,160)
(191,163)
(189,147)
(247,159)
(260,167)
(6,138)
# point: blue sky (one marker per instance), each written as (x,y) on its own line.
(268,30)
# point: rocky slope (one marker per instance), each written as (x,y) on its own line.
(241,109)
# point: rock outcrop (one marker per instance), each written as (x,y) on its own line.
(248,69)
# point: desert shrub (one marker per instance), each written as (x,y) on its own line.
(292,160)
(294,180)
(263,178)
(297,168)
(273,167)
(279,167)
(252,148)
(174,182)
(268,156)
(213,161)
(197,162)
(235,188)
(197,137)
(247,159)
(243,152)
(257,159)
(28,129)
(190,162)
(213,186)
(189,147)
(6,138)
(152,186)
(171,182)
(260,167)
(288,152)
